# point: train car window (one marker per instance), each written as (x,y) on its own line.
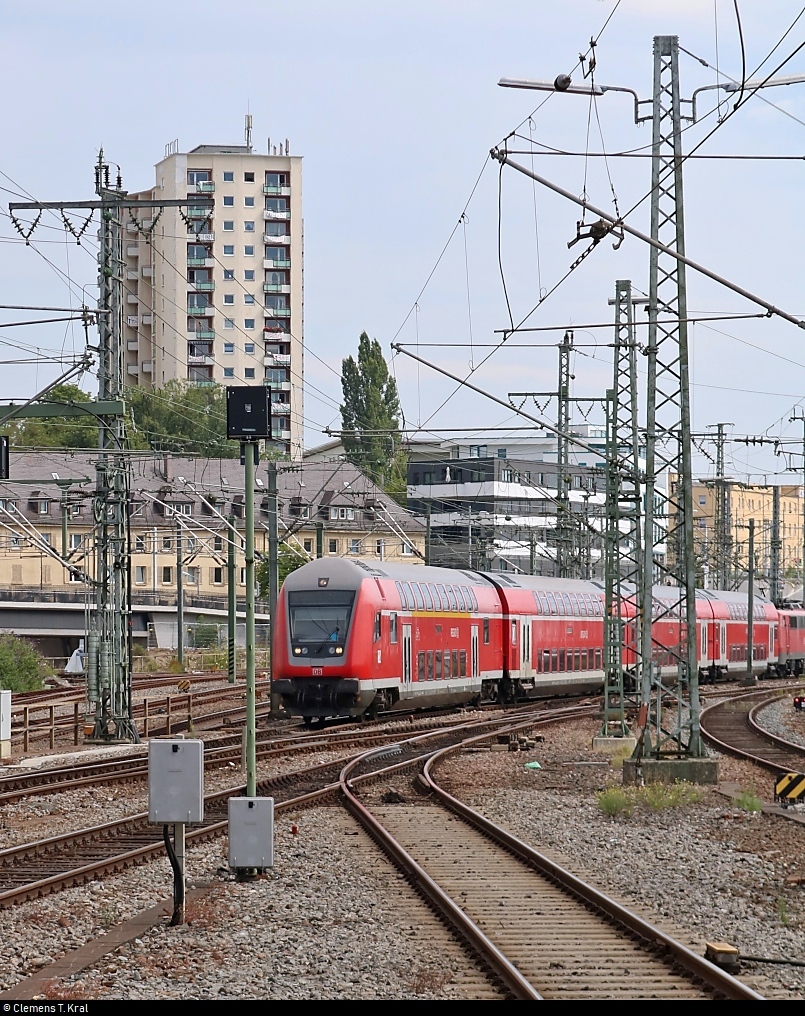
(420,666)
(438,674)
(554,660)
(561,660)
(597,659)
(408,596)
(455,663)
(376,634)
(428,597)
(538,663)
(400,593)
(560,605)
(459,590)
(430,664)
(574,602)
(568,604)
(392,628)
(452,595)
(462,663)
(584,659)
(577,659)
(486,631)
(442,597)
(551,604)
(474,600)
(420,600)
(514,633)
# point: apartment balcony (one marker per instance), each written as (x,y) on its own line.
(147,319)
(133,251)
(284,239)
(272,287)
(202,287)
(201,334)
(277,360)
(132,273)
(280,386)
(132,368)
(147,367)
(200,361)
(280,409)
(199,213)
(148,271)
(205,187)
(132,320)
(201,262)
(133,345)
(267,263)
(277,312)
(277,192)
(200,311)
(273,214)
(132,298)
(131,227)
(203,238)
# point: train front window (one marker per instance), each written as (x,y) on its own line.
(319,620)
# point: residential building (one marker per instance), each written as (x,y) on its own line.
(216,294)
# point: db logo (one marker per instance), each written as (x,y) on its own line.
(317,671)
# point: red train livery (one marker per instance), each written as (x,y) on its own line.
(354,637)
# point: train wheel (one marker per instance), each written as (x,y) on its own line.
(492,692)
(308,721)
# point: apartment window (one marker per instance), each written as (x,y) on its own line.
(248,251)
(355,546)
(248,323)
(198,175)
(276,228)
(276,204)
(276,179)
(242,577)
(217,576)
(248,347)
(229,201)
(248,177)
(308,546)
(229,371)
(229,177)
(249,202)
(139,544)
(229,225)
(248,298)
(192,575)
(248,275)
(702,499)
(75,510)
(333,546)
(407,550)
(229,274)
(44,507)
(502,453)
(248,226)
(229,250)
(217,543)
(167,575)
(229,347)
(229,323)
(379,547)
(248,373)
(75,540)
(167,543)
(140,575)
(229,298)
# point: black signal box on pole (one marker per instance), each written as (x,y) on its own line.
(248,412)
(4,458)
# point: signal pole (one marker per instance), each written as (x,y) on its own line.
(801,416)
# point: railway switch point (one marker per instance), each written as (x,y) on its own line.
(670,770)
(612,745)
(723,955)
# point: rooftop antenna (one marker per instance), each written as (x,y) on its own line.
(249,131)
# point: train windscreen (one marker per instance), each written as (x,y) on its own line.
(320,618)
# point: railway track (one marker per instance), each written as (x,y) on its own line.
(732,727)
(544,933)
(31,870)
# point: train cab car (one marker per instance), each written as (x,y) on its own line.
(791,636)
(731,630)
(353,636)
(553,636)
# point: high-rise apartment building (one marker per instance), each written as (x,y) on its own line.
(216,295)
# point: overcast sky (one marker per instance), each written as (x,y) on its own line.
(394,110)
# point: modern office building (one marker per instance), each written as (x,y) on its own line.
(215,295)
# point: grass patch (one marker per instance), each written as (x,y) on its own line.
(659,796)
(615,801)
(783,912)
(617,758)
(748,800)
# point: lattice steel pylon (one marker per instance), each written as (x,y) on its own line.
(564,523)
(723,516)
(669,724)
(624,563)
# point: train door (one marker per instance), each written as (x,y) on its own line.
(772,641)
(406,654)
(525,647)
(703,645)
(474,649)
(722,654)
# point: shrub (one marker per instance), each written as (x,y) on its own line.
(748,800)
(22,667)
(659,796)
(619,756)
(615,801)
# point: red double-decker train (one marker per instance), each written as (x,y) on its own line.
(353,637)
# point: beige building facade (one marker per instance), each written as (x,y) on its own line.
(215,295)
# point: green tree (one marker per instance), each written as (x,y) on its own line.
(183,418)
(22,667)
(70,432)
(370,418)
(287,561)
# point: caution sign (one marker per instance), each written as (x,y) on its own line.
(789,789)
(183,685)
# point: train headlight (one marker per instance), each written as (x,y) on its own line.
(297,651)
(339,650)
